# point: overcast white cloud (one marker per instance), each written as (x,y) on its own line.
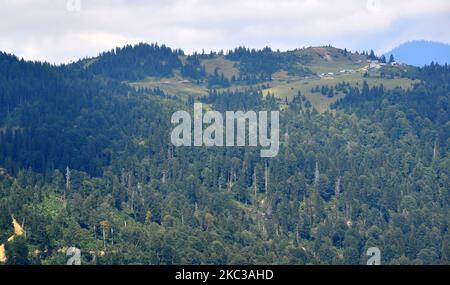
(51,30)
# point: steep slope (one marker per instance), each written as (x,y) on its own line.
(57,116)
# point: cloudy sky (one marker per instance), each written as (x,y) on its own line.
(63,30)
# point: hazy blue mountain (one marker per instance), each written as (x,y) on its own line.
(420,53)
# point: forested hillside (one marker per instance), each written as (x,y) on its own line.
(86,160)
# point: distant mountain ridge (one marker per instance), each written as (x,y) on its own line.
(420,53)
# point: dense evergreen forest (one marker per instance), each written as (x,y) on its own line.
(86,162)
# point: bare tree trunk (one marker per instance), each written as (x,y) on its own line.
(23,227)
(435,152)
(232,180)
(266,178)
(131,189)
(112,237)
(347,211)
(196,213)
(286,142)
(170,152)
(67,186)
(337,189)
(316,175)
(255,182)
(104,238)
